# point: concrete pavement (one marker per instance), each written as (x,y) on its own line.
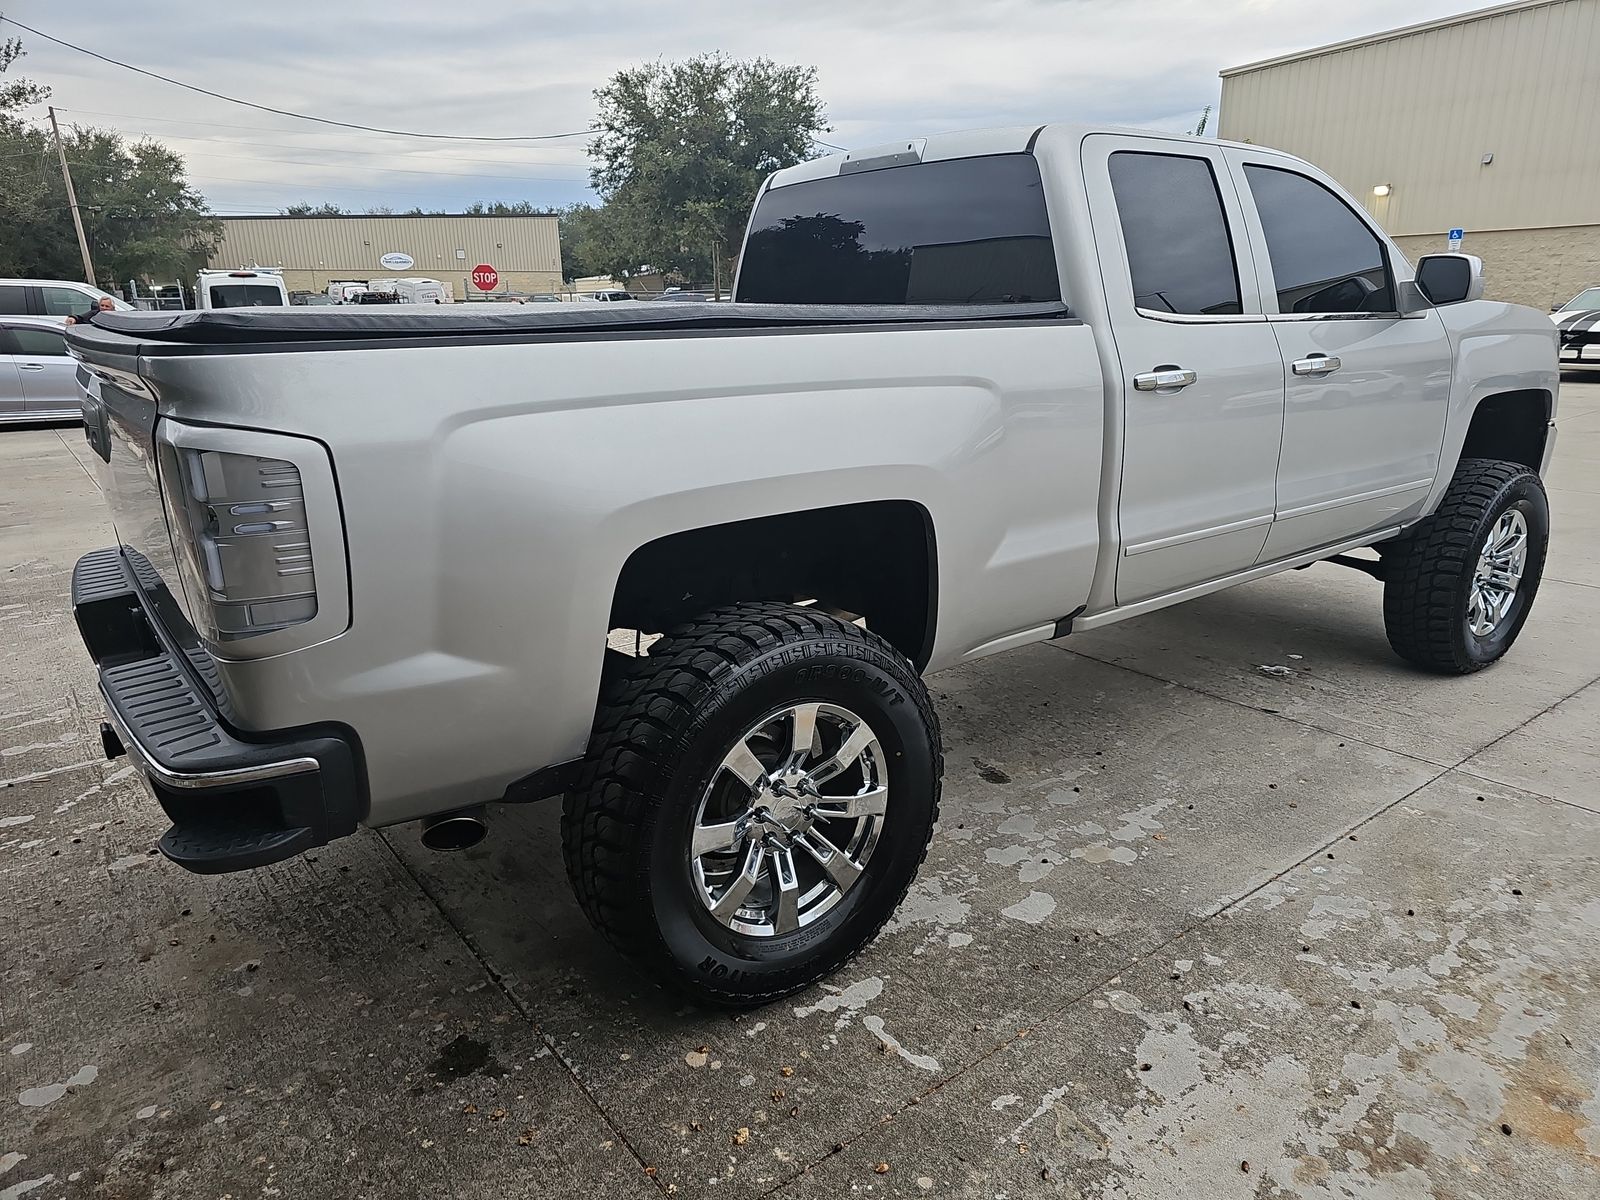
(1188,930)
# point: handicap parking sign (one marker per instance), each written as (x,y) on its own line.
(1455,238)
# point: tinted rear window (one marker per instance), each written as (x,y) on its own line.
(244,295)
(967,231)
(13,299)
(1179,252)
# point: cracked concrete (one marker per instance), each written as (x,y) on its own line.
(1187,930)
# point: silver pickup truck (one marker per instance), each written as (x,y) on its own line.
(686,565)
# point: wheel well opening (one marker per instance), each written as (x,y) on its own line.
(873,561)
(1511,426)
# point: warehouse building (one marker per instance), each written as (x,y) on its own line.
(525,251)
(1488,122)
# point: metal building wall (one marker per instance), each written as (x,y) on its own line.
(1419,110)
(526,251)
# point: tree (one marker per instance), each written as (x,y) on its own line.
(683,147)
(503,208)
(314,210)
(139,213)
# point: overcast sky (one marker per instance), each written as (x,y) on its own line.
(888,69)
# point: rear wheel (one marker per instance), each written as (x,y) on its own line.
(758,795)
(1458,588)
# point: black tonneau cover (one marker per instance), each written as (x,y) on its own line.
(246,326)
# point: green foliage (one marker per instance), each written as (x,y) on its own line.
(140,215)
(681,151)
(313,210)
(503,208)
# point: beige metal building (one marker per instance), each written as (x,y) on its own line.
(1488,122)
(312,251)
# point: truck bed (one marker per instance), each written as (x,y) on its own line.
(505,322)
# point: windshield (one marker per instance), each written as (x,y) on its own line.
(245,295)
(1588,298)
(963,231)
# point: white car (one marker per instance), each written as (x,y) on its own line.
(58,298)
(38,380)
(1579,323)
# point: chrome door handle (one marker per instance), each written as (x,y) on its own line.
(30,366)
(1317,364)
(1163,378)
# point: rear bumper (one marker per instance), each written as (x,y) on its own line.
(234,802)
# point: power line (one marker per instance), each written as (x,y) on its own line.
(283,112)
(343,152)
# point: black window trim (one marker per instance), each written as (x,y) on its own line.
(1152,314)
(1292,167)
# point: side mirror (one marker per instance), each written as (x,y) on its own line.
(1450,278)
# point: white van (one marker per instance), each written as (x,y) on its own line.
(416,290)
(344,291)
(252,288)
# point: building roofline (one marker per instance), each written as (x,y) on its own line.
(378,216)
(1388,35)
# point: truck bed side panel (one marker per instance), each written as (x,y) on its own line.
(491,494)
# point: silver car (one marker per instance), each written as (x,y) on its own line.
(37,378)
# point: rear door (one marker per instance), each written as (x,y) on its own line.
(1368,389)
(48,374)
(1202,377)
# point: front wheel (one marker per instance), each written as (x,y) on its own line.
(758,795)
(1458,587)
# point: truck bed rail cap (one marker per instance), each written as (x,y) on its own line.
(270,325)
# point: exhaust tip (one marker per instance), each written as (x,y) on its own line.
(454,830)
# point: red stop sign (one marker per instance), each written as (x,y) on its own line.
(485,277)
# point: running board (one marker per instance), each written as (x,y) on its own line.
(1336,551)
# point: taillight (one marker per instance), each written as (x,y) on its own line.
(257,535)
(248,548)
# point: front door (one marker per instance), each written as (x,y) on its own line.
(1202,378)
(1368,389)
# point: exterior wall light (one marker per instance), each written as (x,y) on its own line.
(1381,189)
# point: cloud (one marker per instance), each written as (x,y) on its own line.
(891,69)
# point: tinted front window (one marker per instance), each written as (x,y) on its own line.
(967,231)
(38,342)
(13,299)
(1179,252)
(244,295)
(65,302)
(1324,258)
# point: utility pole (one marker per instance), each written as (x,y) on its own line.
(72,203)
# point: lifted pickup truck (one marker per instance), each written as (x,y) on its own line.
(975,391)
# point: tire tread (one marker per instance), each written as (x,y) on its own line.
(644,708)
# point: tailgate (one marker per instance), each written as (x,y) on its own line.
(119,420)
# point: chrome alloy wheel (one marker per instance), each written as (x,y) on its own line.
(1498,574)
(789,819)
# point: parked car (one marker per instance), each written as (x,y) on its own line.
(608,295)
(310,299)
(1578,323)
(59,298)
(930,428)
(37,377)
